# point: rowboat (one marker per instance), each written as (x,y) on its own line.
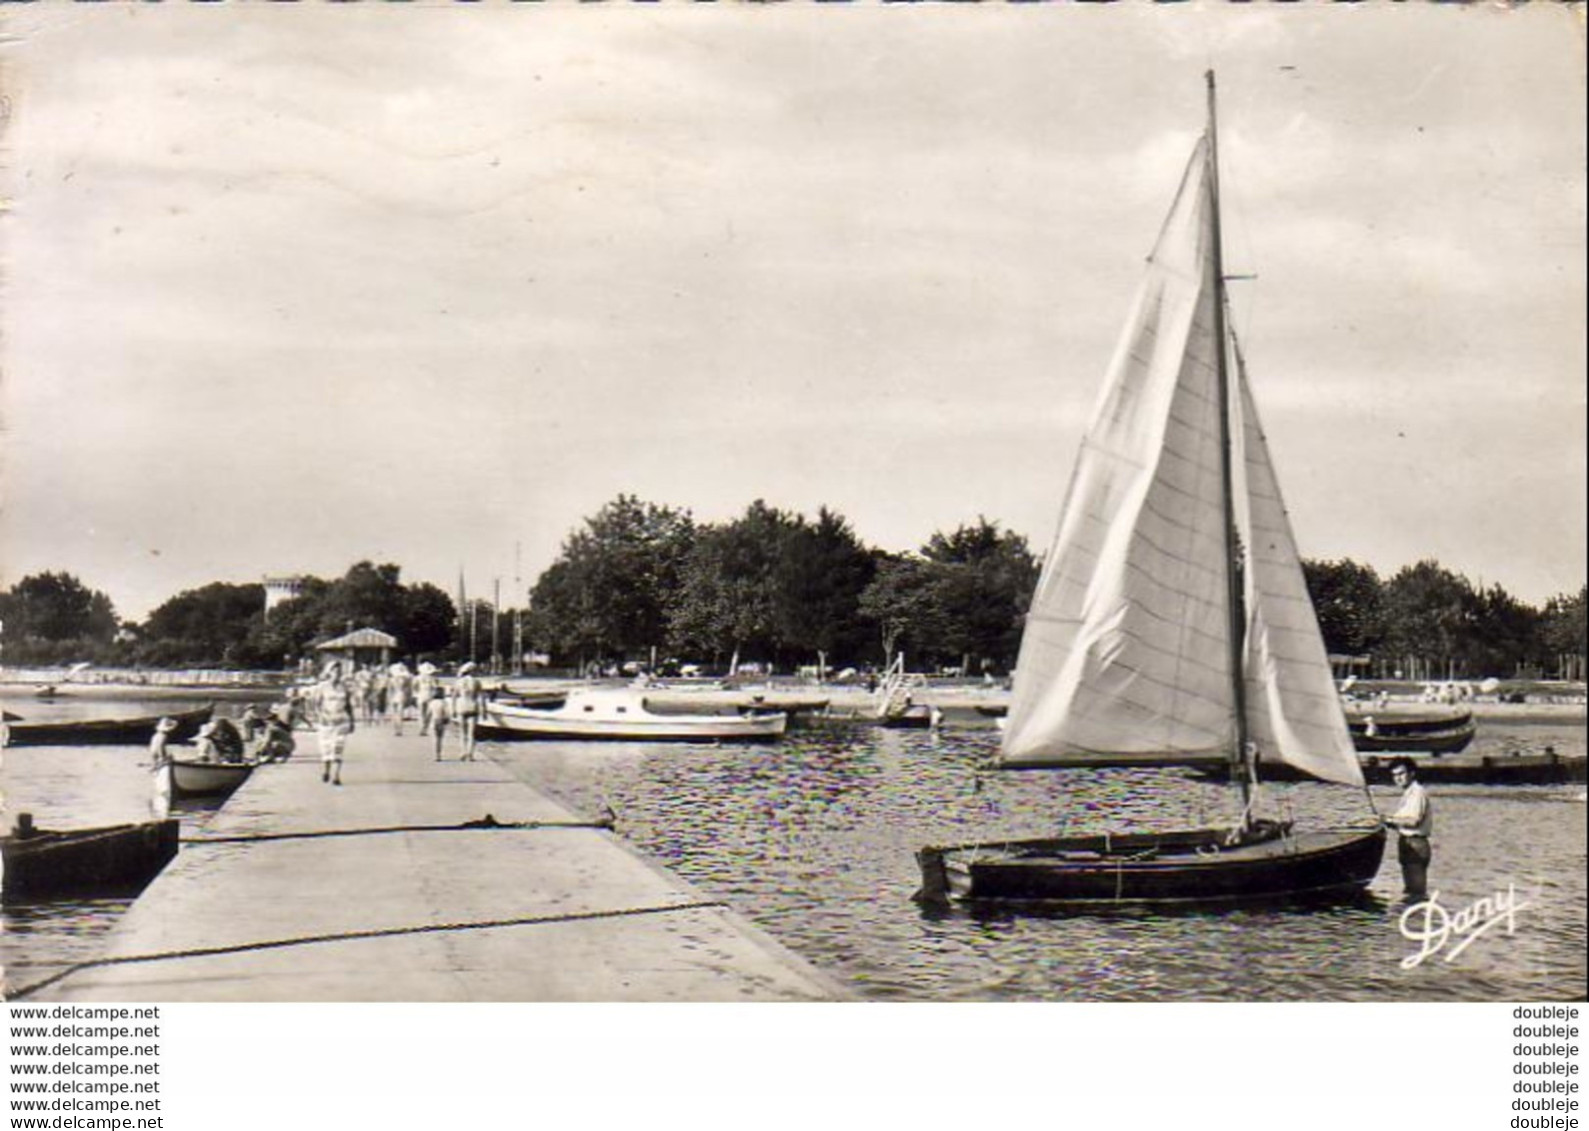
(116,858)
(1448,741)
(1407,724)
(1412,734)
(205,779)
(622,714)
(103,732)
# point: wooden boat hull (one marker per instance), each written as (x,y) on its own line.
(1403,725)
(104,732)
(1165,869)
(917,716)
(1433,769)
(207,779)
(1426,742)
(507,723)
(1498,769)
(117,858)
(539,700)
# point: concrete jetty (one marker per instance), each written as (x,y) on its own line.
(303,891)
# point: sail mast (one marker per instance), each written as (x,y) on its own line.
(1235,602)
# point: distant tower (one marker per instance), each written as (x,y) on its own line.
(279,589)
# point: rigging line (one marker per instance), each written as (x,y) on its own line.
(487,822)
(353,936)
(1373,808)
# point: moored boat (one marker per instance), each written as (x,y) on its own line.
(622,714)
(117,858)
(1171,625)
(1447,741)
(1412,734)
(1516,767)
(544,700)
(103,732)
(1382,723)
(1273,861)
(913,716)
(894,702)
(205,779)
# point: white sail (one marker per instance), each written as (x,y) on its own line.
(1125,657)
(1293,711)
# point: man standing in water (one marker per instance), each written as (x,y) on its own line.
(333,702)
(1413,823)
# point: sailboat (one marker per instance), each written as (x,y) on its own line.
(1171,625)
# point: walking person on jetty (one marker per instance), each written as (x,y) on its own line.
(433,716)
(375,696)
(1413,823)
(401,695)
(467,691)
(425,688)
(333,703)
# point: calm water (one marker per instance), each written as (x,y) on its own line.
(76,787)
(813,839)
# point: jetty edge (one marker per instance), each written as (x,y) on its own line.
(419,880)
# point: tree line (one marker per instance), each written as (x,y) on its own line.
(643,582)
(1427,622)
(53,618)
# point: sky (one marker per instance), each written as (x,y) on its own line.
(288,287)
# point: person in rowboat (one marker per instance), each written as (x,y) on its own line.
(158,754)
(1413,823)
(249,723)
(209,749)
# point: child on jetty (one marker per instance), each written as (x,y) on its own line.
(433,716)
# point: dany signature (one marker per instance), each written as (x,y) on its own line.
(1433,928)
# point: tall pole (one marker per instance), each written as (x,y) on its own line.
(496,620)
(1235,599)
(463,609)
(518,611)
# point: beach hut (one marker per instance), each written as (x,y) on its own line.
(359,648)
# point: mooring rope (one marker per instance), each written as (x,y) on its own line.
(350,936)
(486,822)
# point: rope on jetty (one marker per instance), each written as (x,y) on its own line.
(486,822)
(352,936)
